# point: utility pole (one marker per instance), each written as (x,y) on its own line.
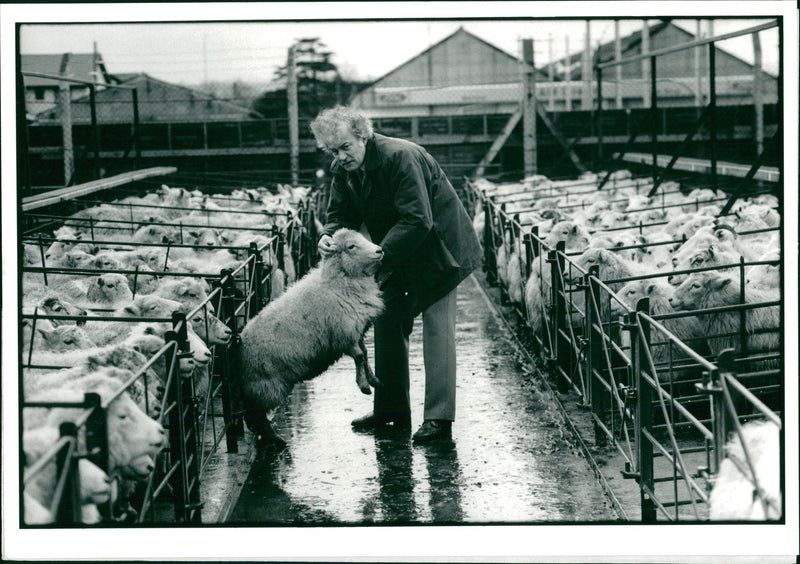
(528,108)
(586,72)
(567,77)
(645,66)
(294,129)
(618,68)
(698,69)
(551,92)
(205,61)
(758,98)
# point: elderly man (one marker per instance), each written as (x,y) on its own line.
(400,194)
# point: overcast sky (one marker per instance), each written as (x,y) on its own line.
(188,52)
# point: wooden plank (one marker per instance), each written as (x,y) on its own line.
(65,194)
(499,142)
(561,141)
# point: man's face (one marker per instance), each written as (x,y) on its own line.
(347,149)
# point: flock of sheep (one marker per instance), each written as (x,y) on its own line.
(619,229)
(660,240)
(168,243)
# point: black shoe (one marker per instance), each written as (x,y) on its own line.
(432,429)
(371,422)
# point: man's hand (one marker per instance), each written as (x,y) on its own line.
(326,247)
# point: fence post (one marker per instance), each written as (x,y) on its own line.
(489,258)
(256,291)
(95,132)
(69,506)
(712,90)
(594,356)
(561,354)
(183,430)
(640,343)
(654,115)
(136,138)
(97,437)
(230,387)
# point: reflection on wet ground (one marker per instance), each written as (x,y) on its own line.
(511,459)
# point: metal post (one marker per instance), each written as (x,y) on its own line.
(136,140)
(618,69)
(23,162)
(712,88)
(69,506)
(230,388)
(562,352)
(594,356)
(95,131)
(66,132)
(644,410)
(551,102)
(586,72)
(529,108)
(291,92)
(647,71)
(654,115)
(600,116)
(256,291)
(177,447)
(698,70)
(758,98)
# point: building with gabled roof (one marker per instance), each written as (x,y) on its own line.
(461,74)
(158,101)
(42,93)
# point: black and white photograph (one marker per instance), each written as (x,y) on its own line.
(400,281)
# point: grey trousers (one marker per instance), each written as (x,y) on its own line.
(392,330)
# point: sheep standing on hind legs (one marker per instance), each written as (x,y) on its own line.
(320,318)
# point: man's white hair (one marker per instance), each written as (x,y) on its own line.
(325,126)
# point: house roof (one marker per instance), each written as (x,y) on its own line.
(629,45)
(159,101)
(459,31)
(80,66)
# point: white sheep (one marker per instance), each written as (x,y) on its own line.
(95,485)
(108,290)
(688,329)
(319,318)
(709,289)
(734,496)
(131,433)
(765,276)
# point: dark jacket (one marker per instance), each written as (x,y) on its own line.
(412,211)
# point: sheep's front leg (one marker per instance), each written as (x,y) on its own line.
(365,377)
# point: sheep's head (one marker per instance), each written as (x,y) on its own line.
(150,306)
(355,254)
(632,292)
(64,338)
(105,261)
(694,292)
(55,305)
(109,288)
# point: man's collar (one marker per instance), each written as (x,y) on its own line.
(372,159)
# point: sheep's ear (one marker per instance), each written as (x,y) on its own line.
(194,234)
(574,229)
(44,332)
(650,288)
(131,310)
(165,240)
(720,283)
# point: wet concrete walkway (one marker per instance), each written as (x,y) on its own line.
(512,459)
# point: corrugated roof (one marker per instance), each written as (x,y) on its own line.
(73,65)
(460,30)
